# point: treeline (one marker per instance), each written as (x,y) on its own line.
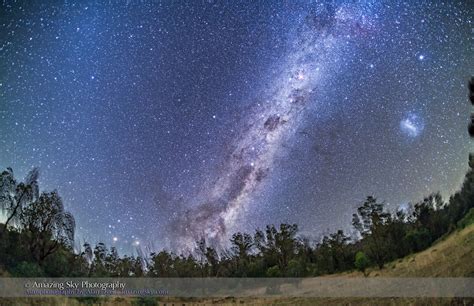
(37,240)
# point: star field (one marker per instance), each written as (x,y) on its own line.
(162,121)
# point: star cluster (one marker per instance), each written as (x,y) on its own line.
(162,121)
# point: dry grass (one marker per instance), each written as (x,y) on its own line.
(60,301)
(452,256)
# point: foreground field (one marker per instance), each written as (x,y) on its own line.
(452,256)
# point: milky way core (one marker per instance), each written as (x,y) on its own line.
(275,119)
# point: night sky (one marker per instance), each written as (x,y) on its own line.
(160,122)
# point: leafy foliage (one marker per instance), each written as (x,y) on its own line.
(362,262)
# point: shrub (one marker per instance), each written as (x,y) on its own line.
(362,262)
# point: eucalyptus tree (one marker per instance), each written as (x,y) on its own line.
(15,196)
(372,222)
(47,225)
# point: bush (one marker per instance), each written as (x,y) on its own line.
(28,269)
(418,239)
(273,272)
(145,301)
(467,220)
(362,262)
(295,268)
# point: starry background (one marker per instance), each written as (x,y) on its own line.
(131,109)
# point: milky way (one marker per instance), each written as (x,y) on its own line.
(275,119)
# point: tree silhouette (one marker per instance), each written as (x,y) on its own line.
(14,196)
(47,224)
(371,220)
